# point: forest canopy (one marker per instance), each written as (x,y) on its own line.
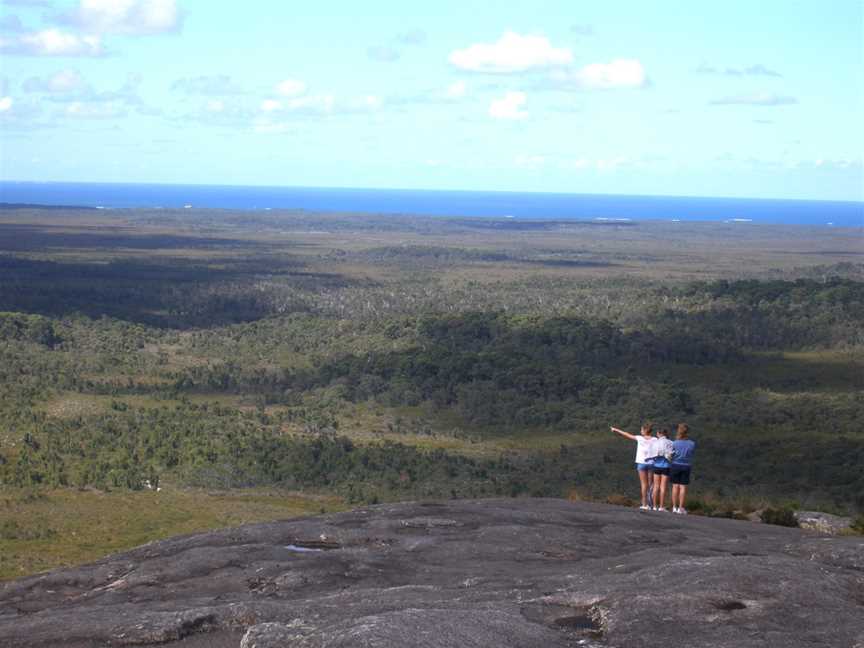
(364,359)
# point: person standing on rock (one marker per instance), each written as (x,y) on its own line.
(683,449)
(663,451)
(644,454)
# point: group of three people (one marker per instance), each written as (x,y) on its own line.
(659,461)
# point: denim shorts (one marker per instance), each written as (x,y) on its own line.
(644,466)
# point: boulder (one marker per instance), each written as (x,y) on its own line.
(823,522)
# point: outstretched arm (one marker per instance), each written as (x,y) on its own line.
(632,437)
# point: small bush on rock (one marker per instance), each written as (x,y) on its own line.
(858,524)
(780,517)
(620,500)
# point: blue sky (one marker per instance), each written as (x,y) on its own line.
(753,99)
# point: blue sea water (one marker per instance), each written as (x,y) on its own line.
(439,203)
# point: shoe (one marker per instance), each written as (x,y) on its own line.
(644,508)
(674,509)
(682,511)
(662,509)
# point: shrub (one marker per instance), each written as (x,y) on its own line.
(780,517)
(728,512)
(858,524)
(697,506)
(573,495)
(620,500)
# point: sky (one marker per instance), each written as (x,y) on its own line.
(734,98)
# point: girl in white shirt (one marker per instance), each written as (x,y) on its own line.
(644,460)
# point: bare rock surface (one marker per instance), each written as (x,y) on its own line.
(491,573)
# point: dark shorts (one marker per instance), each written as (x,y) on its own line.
(661,470)
(679,474)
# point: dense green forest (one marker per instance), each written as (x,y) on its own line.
(397,360)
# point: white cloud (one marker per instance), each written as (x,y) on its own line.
(371,102)
(413,37)
(95,110)
(612,164)
(578,164)
(220,84)
(273,128)
(840,163)
(52,42)
(383,53)
(220,112)
(456,90)
(760,70)
(20,115)
(308,104)
(69,87)
(271,105)
(311,104)
(620,73)
(757,69)
(511,53)
(704,68)
(757,99)
(529,161)
(785,161)
(273,114)
(131,17)
(609,164)
(567,109)
(66,81)
(291,88)
(509,107)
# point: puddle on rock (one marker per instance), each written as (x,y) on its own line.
(582,620)
(729,605)
(578,622)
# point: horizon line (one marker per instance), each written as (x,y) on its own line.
(858,201)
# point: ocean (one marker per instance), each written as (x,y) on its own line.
(536,206)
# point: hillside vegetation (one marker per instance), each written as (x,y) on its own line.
(378,358)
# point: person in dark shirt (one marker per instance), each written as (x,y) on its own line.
(683,449)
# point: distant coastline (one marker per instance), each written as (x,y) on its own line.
(9,206)
(511,205)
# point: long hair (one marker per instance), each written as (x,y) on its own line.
(683,431)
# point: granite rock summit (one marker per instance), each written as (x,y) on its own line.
(464,574)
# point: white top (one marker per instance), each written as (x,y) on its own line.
(645,448)
(662,447)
